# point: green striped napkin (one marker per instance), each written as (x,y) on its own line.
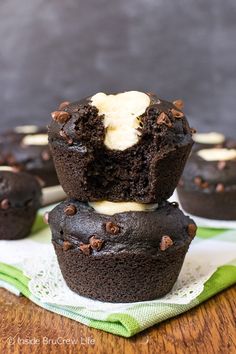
(136,317)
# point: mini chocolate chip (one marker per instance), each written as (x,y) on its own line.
(65,136)
(220,188)
(66,245)
(192,229)
(166,242)
(70,210)
(179,104)
(63,105)
(5,204)
(175,204)
(46,217)
(193,131)
(204,185)
(96,243)
(176,114)
(198,181)
(45,155)
(112,228)
(60,116)
(164,119)
(221,165)
(85,248)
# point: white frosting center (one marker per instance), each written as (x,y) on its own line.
(111,208)
(121,113)
(209,138)
(36,139)
(26,129)
(7,168)
(217,154)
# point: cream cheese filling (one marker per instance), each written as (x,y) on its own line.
(35,139)
(217,154)
(121,116)
(209,138)
(111,208)
(26,129)
(7,168)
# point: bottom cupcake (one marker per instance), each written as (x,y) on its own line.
(122,257)
(20,199)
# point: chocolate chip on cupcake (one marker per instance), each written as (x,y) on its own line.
(26,147)
(20,198)
(118,252)
(130,146)
(208,184)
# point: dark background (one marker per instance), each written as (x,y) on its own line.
(56,50)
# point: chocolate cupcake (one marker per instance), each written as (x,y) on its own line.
(133,254)
(20,197)
(125,147)
(26,148)
(208,185)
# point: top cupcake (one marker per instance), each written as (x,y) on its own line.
(129,146)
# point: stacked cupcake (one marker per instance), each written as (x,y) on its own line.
(119,158)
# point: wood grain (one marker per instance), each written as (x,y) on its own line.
(208,329)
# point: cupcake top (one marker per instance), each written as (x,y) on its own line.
(211,169)
(18,133)
(18,189)
(120,121)
(25,146)
(79,224)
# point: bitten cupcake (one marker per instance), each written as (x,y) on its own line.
(120,252)
(129,146)
(208,185)
(26,148)
(20,198)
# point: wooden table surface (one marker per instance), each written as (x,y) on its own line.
(27,328)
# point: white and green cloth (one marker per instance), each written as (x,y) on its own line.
(29,267)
